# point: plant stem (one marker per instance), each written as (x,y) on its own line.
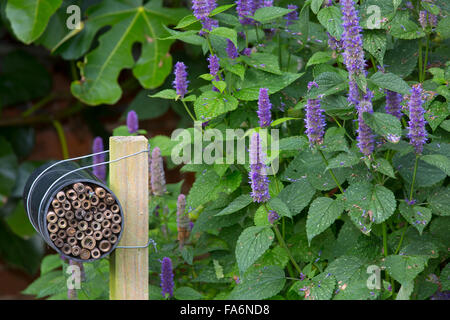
(209,45)
(62,138)
(41,103)
(331,171)
(426,58)
(283,244)
(414,178)
(188,111)
(401,241)
(373,64)
(257,34)
(279,50)
(385,247)
(420,61)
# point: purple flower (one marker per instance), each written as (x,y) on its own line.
(191,225)
(417,132)
(167,283)
(180,83)
(333,43)
(182,218)
(247,52)
(202,8)
(231,50)
(245,8)
(264,107)
(272,216)
(214,65)
(100,170)
(423,18)
(327,3)
(445,295)
(267,3)
(393,100)
(258,177)
(157,179)
(352,45)
(365,137)
(132,122)
(291,16)
(432,20)
(208,24)
(314,120)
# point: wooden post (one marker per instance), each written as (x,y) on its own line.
(129,181)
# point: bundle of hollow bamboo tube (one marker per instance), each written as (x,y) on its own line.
(84,221)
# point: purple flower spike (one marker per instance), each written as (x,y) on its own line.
(202,8)
(180,84)
(208,24)
(365,137)
(157,179)
(333,43)
(417,132)
(272,216)
(132,122)
(167,283)
(214,65)
(314,120)
(99,171)
(231,50)
(267,3)
(258,177)
(291,16)
(352,45)
(264,106)
(245,8)
(423,18)
(432,20)
(393,100)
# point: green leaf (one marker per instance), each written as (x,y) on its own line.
(297,196)
(256,79)
(221,9)
(146,108)
(263,61)
(391,82)
(19,222)
(404,28)
(315,5)
(405,291)
(375,42)
(186,21)
(373,200)
(430,7)
(239,203)
(440,201)
(48,284)
(426,176)
(292,143)
(444,278)
(386,125)
(261,217)
(267,14)
(318,58)
(404,268)
(50,263)
(237,69)
(334,140)
(212,104)
(443,28)
(226,33)
(322,213)
(331,19)
(417,216)
(320,287)
(438,160)
(329,83)
(343,160)
(29,18)
(190,36)
(187,293)
(131,24)
(259,284)
(188,254)
(274,257)
(402,59)
(252,243)
(446,125)
(280,207)
(165,94)
(383,166)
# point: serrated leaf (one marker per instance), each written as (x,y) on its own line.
(263,61)
(343,160)
(443,28)
(331,19)
(165,94)
(444,278)
(267,14)
(186,21)
(274,257)
(256,79)
(375,43)
(417,216)
(335,140)
(212,104)
(372,200)
(383,166)
(386,125)
(440,201)
(404,268)
(239,203)
(438,160)
(318,58)
(252,243)
(48,284)
(402,59)
(226,33)
(188,254)
(221,9)
(29,18)
(297,196)
(322,213)
(280,207)
(315,5)
(50,263)
(328,83)
(391,82)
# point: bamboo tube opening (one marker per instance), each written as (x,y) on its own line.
(85,254)
(88,242)
(52,217)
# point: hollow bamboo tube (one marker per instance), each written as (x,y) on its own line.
(117,218)
(94,200)
(99,217)
(96,226)
(73,223)
(88,216)
(56,204)
(108,214)
(62,223)
(69,215)
(86,204)
(71,231)
(61,196)
(79,214)
(62,234)
(82,225)
(88,242)
(100,192)
(79,187)
(66,249)
(129,182)
(81,197)
(98,235)
(85,254)
(95,253)
(76,251)
(76,204)
(112,239)
(89,231)
(67,205)
(52,227)
(115,228)
(60,212)
(101,207)
(72,241)
(71,194)
(104,246)
(106,224)
(106,232)
(52,217)
(59,243)
(79,235)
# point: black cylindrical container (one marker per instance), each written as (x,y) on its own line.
(38,197)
